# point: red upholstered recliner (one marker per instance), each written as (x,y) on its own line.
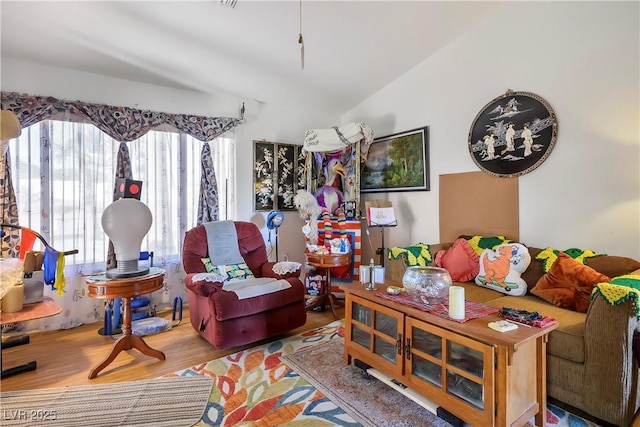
(219,316)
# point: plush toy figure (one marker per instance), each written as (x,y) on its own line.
(329,195)
(309,210)
(328,228)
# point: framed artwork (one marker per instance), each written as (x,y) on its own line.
(301,170)
(335,174)
(277,169)
(513,134)
(398,162)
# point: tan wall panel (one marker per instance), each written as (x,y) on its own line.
(476,203)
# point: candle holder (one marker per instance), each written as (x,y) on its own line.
(371,285)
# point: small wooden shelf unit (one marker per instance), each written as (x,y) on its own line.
(483,377)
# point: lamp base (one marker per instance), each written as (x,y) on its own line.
(115,274)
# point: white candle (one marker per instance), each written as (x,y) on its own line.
(456,302)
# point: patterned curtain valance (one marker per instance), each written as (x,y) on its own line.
(120,123)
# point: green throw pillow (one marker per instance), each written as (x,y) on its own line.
(239,271)
(212,268)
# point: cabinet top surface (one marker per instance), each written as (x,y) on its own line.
(103,287)
(477,329)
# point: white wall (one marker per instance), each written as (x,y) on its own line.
(273,123)
(581,57)
(36,79)
(276,125)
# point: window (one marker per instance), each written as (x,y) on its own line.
(63,174)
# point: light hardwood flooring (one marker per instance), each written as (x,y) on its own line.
(65,357)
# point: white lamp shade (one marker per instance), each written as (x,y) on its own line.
(126,222)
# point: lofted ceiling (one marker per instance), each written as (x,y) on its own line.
(250,52)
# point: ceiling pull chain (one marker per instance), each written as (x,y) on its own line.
(300,39)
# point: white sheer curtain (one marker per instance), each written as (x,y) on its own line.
(64,176)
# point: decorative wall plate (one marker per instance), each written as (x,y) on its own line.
(513,134)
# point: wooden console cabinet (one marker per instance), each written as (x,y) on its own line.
(483,377)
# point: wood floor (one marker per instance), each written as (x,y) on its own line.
(65,357)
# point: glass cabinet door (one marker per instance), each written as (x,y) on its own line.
(361,316)
(385,342)
(468,388)
(458,369)
(360,336)
(376,334)
(425,355)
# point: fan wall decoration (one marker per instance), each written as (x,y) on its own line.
(513,134)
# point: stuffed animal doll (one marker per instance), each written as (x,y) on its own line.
(330,196)
(309,210)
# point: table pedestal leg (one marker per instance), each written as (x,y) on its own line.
(333,301)
(126,342)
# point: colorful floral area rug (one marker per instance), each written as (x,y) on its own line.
(256,387)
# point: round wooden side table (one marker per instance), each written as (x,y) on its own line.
(104,288)
(327,261)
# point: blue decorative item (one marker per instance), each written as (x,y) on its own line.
(108,329)
(177,310)
(274,221)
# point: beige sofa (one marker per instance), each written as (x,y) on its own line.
(591,364)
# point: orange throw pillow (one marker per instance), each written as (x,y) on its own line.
(568,284)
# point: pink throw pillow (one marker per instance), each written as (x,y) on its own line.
(460,260)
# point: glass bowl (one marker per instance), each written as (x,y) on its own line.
(429,285)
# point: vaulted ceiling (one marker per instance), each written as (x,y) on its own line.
(250,52)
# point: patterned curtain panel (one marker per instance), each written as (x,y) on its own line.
(120,123)
(202,128)
(208,202)
(123,170)
(8,209)
(33,109)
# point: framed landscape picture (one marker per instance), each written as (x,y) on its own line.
(513,134)
(398,162)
